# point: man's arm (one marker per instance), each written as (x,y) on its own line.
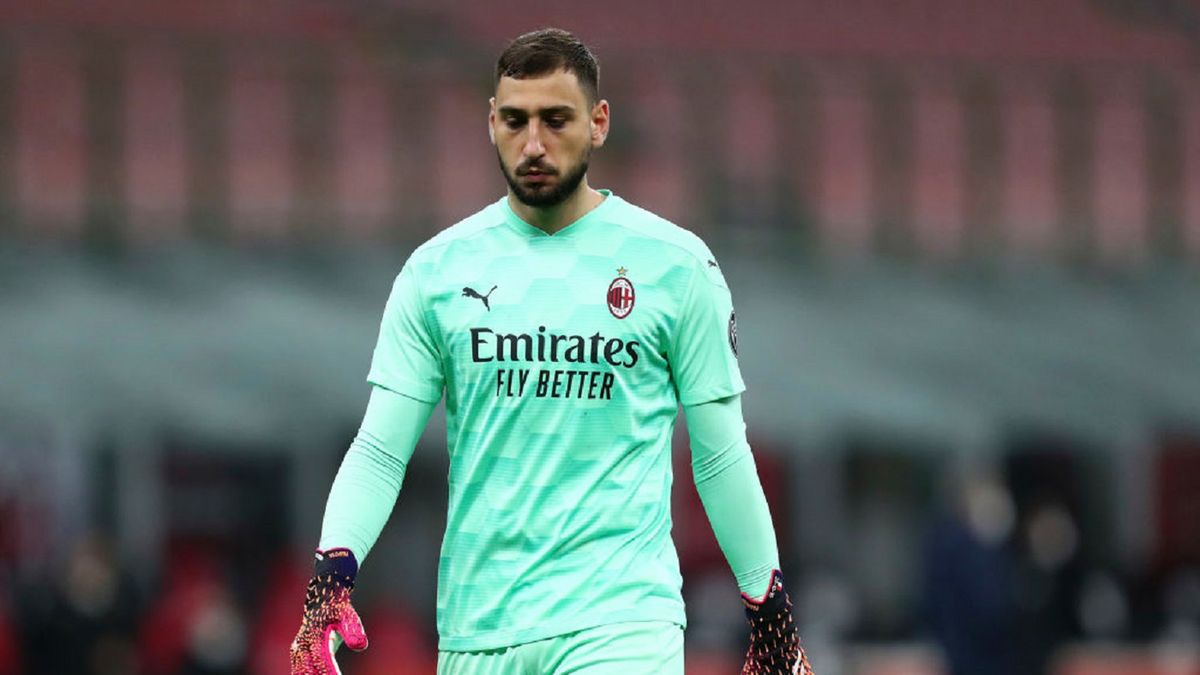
(368,481)
(359,504)
(727,480)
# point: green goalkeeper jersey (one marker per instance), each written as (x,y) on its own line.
(563,359)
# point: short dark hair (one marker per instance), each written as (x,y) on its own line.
(547,50)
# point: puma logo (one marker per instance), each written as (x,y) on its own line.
(469,292)
(712,263)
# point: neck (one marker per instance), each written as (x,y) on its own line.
(551,219)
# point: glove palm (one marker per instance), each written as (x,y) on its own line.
(329,618)
(774,638)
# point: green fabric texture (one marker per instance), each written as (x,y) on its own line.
(563,359)
(727,480)
(372,471)
(632,648)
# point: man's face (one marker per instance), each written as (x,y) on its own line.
(544,132)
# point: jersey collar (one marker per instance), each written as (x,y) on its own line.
(514,221)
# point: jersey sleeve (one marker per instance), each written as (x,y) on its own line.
(731,492)
(407,359)
(372,471)
(703,352)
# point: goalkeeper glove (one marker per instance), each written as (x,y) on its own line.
(774,640)
(328,617)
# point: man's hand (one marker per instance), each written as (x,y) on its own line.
(328,617)
(774,640)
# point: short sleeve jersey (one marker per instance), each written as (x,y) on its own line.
(563,359)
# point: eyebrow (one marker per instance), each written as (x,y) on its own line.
(541,112)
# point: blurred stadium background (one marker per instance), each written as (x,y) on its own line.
(963,239)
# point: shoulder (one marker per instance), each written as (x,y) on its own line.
(682,245)
(464,231)
(648,224)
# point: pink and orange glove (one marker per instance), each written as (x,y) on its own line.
(774,639)
(329,619)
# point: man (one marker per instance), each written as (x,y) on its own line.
(564,326)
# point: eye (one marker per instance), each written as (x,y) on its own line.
(556,122)
(514,123)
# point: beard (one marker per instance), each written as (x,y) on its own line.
(546,195)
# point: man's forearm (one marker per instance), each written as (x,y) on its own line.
(727,480)
(372,471)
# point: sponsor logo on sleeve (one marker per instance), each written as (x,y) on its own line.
(733,332)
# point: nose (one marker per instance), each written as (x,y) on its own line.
(533,142)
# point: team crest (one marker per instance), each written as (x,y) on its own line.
(620,295)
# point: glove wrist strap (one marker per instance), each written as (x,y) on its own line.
(338,564)
(773,596)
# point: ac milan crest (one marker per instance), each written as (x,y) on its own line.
(620,295)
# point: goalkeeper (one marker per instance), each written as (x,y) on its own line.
(564,326)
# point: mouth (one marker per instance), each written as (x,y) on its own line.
(536,176)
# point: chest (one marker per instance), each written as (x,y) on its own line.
(553,306)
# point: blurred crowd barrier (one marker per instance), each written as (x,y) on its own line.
(1065,129)
(920,563)
(962,239)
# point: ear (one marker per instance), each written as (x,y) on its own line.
(492,119)
(599,123)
